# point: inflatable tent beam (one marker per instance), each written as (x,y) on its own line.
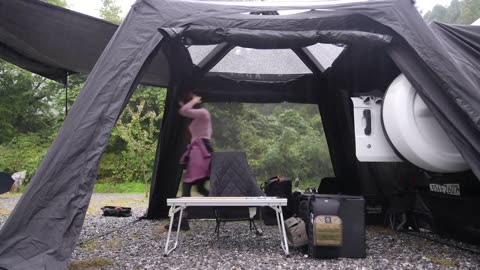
(166,171)
(217,54)
(309,60)
(224,89)
(172,138)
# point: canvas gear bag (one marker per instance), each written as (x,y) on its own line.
(327,231)
(323,237)
(296,232)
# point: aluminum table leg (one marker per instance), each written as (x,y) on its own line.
(281,228)
(175,210)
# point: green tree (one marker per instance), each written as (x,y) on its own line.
(226,120)
(24,152)
(24,102)
(438,13)
(300,149)
(457,12)
(279,139)
(60,3)
(115,165)
(453,12)
(111,11)
(141,141)
(470,11)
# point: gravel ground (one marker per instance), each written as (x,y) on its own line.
(140,245)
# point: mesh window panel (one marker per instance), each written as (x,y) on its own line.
(325,53)
(198,52)
(245,60)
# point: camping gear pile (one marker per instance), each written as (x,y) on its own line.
(323,225)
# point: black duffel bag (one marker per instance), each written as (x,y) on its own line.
(277,187)
(116,211)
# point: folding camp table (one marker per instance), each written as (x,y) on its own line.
(179,204)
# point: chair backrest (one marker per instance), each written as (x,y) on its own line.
(231,176)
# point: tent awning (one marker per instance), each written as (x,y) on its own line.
(52,41)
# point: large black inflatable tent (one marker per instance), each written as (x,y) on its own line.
(380,39)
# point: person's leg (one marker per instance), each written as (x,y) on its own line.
(186,189)
(201,188)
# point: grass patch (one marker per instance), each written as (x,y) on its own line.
(90,264)
(132,187)
(136,236)
(16,191)
(4,212)
(444,262)
(157,231)
(139,187)
(380,229)
(90,246)
(114,244)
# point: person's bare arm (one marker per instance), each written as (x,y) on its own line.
(187,109)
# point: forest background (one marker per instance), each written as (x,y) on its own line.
(279,139)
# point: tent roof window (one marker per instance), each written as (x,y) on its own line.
(268,61)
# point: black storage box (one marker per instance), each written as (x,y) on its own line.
(351,211)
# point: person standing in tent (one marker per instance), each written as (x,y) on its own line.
(197,157)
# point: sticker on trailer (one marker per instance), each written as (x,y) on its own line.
(450,189)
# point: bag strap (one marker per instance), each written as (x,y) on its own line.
(269,181)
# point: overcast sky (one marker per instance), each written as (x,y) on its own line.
(92,7)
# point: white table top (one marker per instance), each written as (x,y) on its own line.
(227,201)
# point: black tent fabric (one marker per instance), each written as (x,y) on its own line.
(54,42)
(461,41)
(150,44)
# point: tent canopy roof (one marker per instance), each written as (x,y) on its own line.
(27,39)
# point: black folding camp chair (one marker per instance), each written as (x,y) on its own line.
(231,177)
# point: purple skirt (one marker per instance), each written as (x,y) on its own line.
(197,159)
